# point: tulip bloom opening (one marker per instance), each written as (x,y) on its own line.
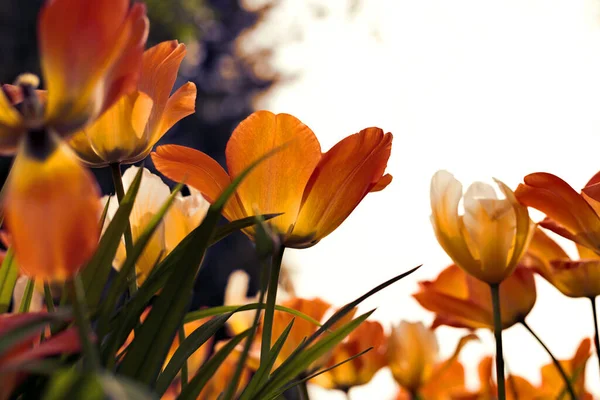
(127,132)
(315,192)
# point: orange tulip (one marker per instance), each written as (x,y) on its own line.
(90,53)
(489,239)
(127,132)
(315,192)
(448,384)
(413,357)
(552,384)
(570,214)
(28,348)
(461,300)
(52,207)
(360,370)
(574,278)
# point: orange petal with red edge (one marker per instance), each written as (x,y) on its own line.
(276,185)
(90,53)
(180,163)
(52,207)
(343,177)
(559,201)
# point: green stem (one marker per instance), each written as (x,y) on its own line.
(265,347)
(495,291)
(556,363)
(48,297)
(303,391)
(75,289)
(184,367)
(596,337)
(120,191)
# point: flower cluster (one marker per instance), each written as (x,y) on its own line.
(95,292)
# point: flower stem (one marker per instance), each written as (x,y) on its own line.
(75,289)
(596,337)
(495,291)
(303,391)
(265,347)
(559,367)
(120,191)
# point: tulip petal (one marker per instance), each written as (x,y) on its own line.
(277,184)
(343,177)
(446,193)
(90,53)
(181,104)
(159,72)
(10,126)
(552,383)
(560,202)
(52,207)
(181,163)
(541,251)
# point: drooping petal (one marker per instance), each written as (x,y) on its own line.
(343,177)
(560,202)
(181,163)
(446,193)
(52,207)
(277,184)
(90,53)
(117,136)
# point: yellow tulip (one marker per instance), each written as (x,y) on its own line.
(490,238)
(185,214)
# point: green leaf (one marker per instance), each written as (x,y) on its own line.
(209,312)
(301,360)
(207,371)
(119,285)
(265,369)
(186,349)
(227,229)
(311,376)
(27,295)
(96,272)
(152,341)
(9,272)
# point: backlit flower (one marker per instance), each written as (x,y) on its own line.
(315,192)
(461,300)
(185,214)
(359,370)
(90,53)
(413,357)
(489,239)
(574,278)
(127,132)
(570,214)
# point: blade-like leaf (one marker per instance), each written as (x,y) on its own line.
(186,349)
(152,341)
(97,270)
(209,312)
(300,361)
(120,283)
(265,369)
(9,273)
(311,376)
(225,230)
(195,386)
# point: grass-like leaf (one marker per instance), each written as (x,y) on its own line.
(206,372)
(153,339)
(209,312)
(96,272)
(9,273)
(186,349)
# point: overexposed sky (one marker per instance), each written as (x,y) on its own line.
(478,87)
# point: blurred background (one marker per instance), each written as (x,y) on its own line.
(478,87)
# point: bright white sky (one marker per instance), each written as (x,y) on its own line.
(478,87)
